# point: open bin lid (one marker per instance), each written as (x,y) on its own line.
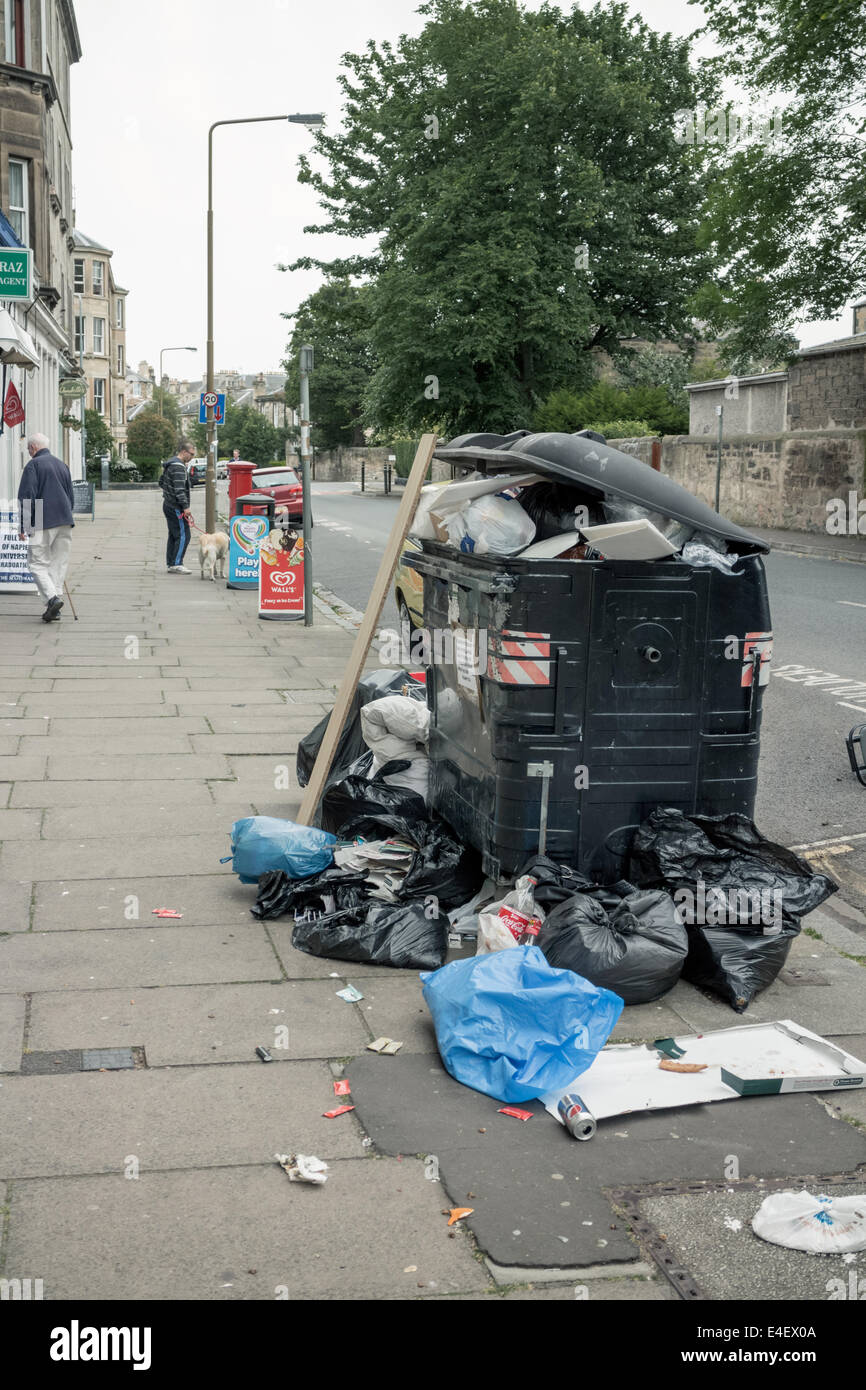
(598,469)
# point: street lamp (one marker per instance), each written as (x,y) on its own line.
(161,351)
(314,121)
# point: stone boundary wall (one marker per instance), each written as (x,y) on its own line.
(780,481)
(344,465)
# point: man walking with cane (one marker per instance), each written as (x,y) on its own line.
(175,506)
(45,499)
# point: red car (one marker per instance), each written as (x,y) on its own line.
(284,486)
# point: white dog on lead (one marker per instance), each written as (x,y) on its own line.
(212,551)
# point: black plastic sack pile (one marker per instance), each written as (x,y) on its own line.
(405,935)
(341,920)
(351,747)
(692,855)
(632,943)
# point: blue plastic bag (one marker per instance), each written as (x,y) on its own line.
(512,1026)
(263,843)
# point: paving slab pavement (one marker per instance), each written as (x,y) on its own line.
(119,781)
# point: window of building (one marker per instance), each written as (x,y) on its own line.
(120,410)
(120,363)
(99,395)
(120,313)
(15,44)
(99,337)
(79,334)
(99,277)
(19,199)
(79,275)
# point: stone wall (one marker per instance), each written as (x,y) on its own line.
(344,465)
(751,405)
(779,481)
(827,390)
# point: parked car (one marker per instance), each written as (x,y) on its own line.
(284,486)
(197,472)
(409,589)
(222,468)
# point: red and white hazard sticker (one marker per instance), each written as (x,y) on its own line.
(761,642)
(519,658)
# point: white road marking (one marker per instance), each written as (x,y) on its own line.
(859,708)
(822,844)
(849,603)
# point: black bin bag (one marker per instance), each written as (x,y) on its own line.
(727,854)
(736,964)
(405,935)
(740,895)
(635,945)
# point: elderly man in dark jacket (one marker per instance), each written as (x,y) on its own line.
(175,506)
(46,500)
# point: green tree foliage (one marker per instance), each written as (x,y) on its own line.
(786,213)
(521,174)
(246,429)
(150,440)
(170,406)
(566,411)
(100,440)
(336,320)
(622,429)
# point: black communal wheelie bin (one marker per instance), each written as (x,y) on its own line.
(604,687)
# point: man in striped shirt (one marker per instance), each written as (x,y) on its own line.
(175,506)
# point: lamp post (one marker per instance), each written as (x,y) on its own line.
(161,351)
(305,366)
(313,121)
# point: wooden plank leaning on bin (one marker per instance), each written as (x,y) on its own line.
(378,594)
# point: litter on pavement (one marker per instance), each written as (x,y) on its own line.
(304,1168)
(820,1225)
(760,1059)
(350,994)
(387,1046)
(340,1110)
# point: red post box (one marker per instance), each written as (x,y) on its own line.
(240,480)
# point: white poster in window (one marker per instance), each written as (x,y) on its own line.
(15,576)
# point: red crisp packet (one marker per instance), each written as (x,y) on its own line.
(166,912)
(513,1110)
(342,1088)
(340,1110)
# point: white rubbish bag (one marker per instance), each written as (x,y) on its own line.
(820,1225)
(496,526)
(397,727)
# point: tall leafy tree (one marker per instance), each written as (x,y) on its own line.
(786,212)
(336,320)
(521,174)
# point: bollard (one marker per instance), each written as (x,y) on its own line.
(363,472)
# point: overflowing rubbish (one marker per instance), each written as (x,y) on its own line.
(629,540)
(818,1224)
(263,1054)
(515,1112)
(510,1025)
(386,1046)
(629,941)
(395,728)
(403,935)
(505,923)
(350,746)
(339,1110)
(304,1168)
(758,1059)
(740,895)
(350,994)
(261,844)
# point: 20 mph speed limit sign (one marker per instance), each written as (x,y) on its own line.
(215,401)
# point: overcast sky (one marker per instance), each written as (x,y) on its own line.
(153,78)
